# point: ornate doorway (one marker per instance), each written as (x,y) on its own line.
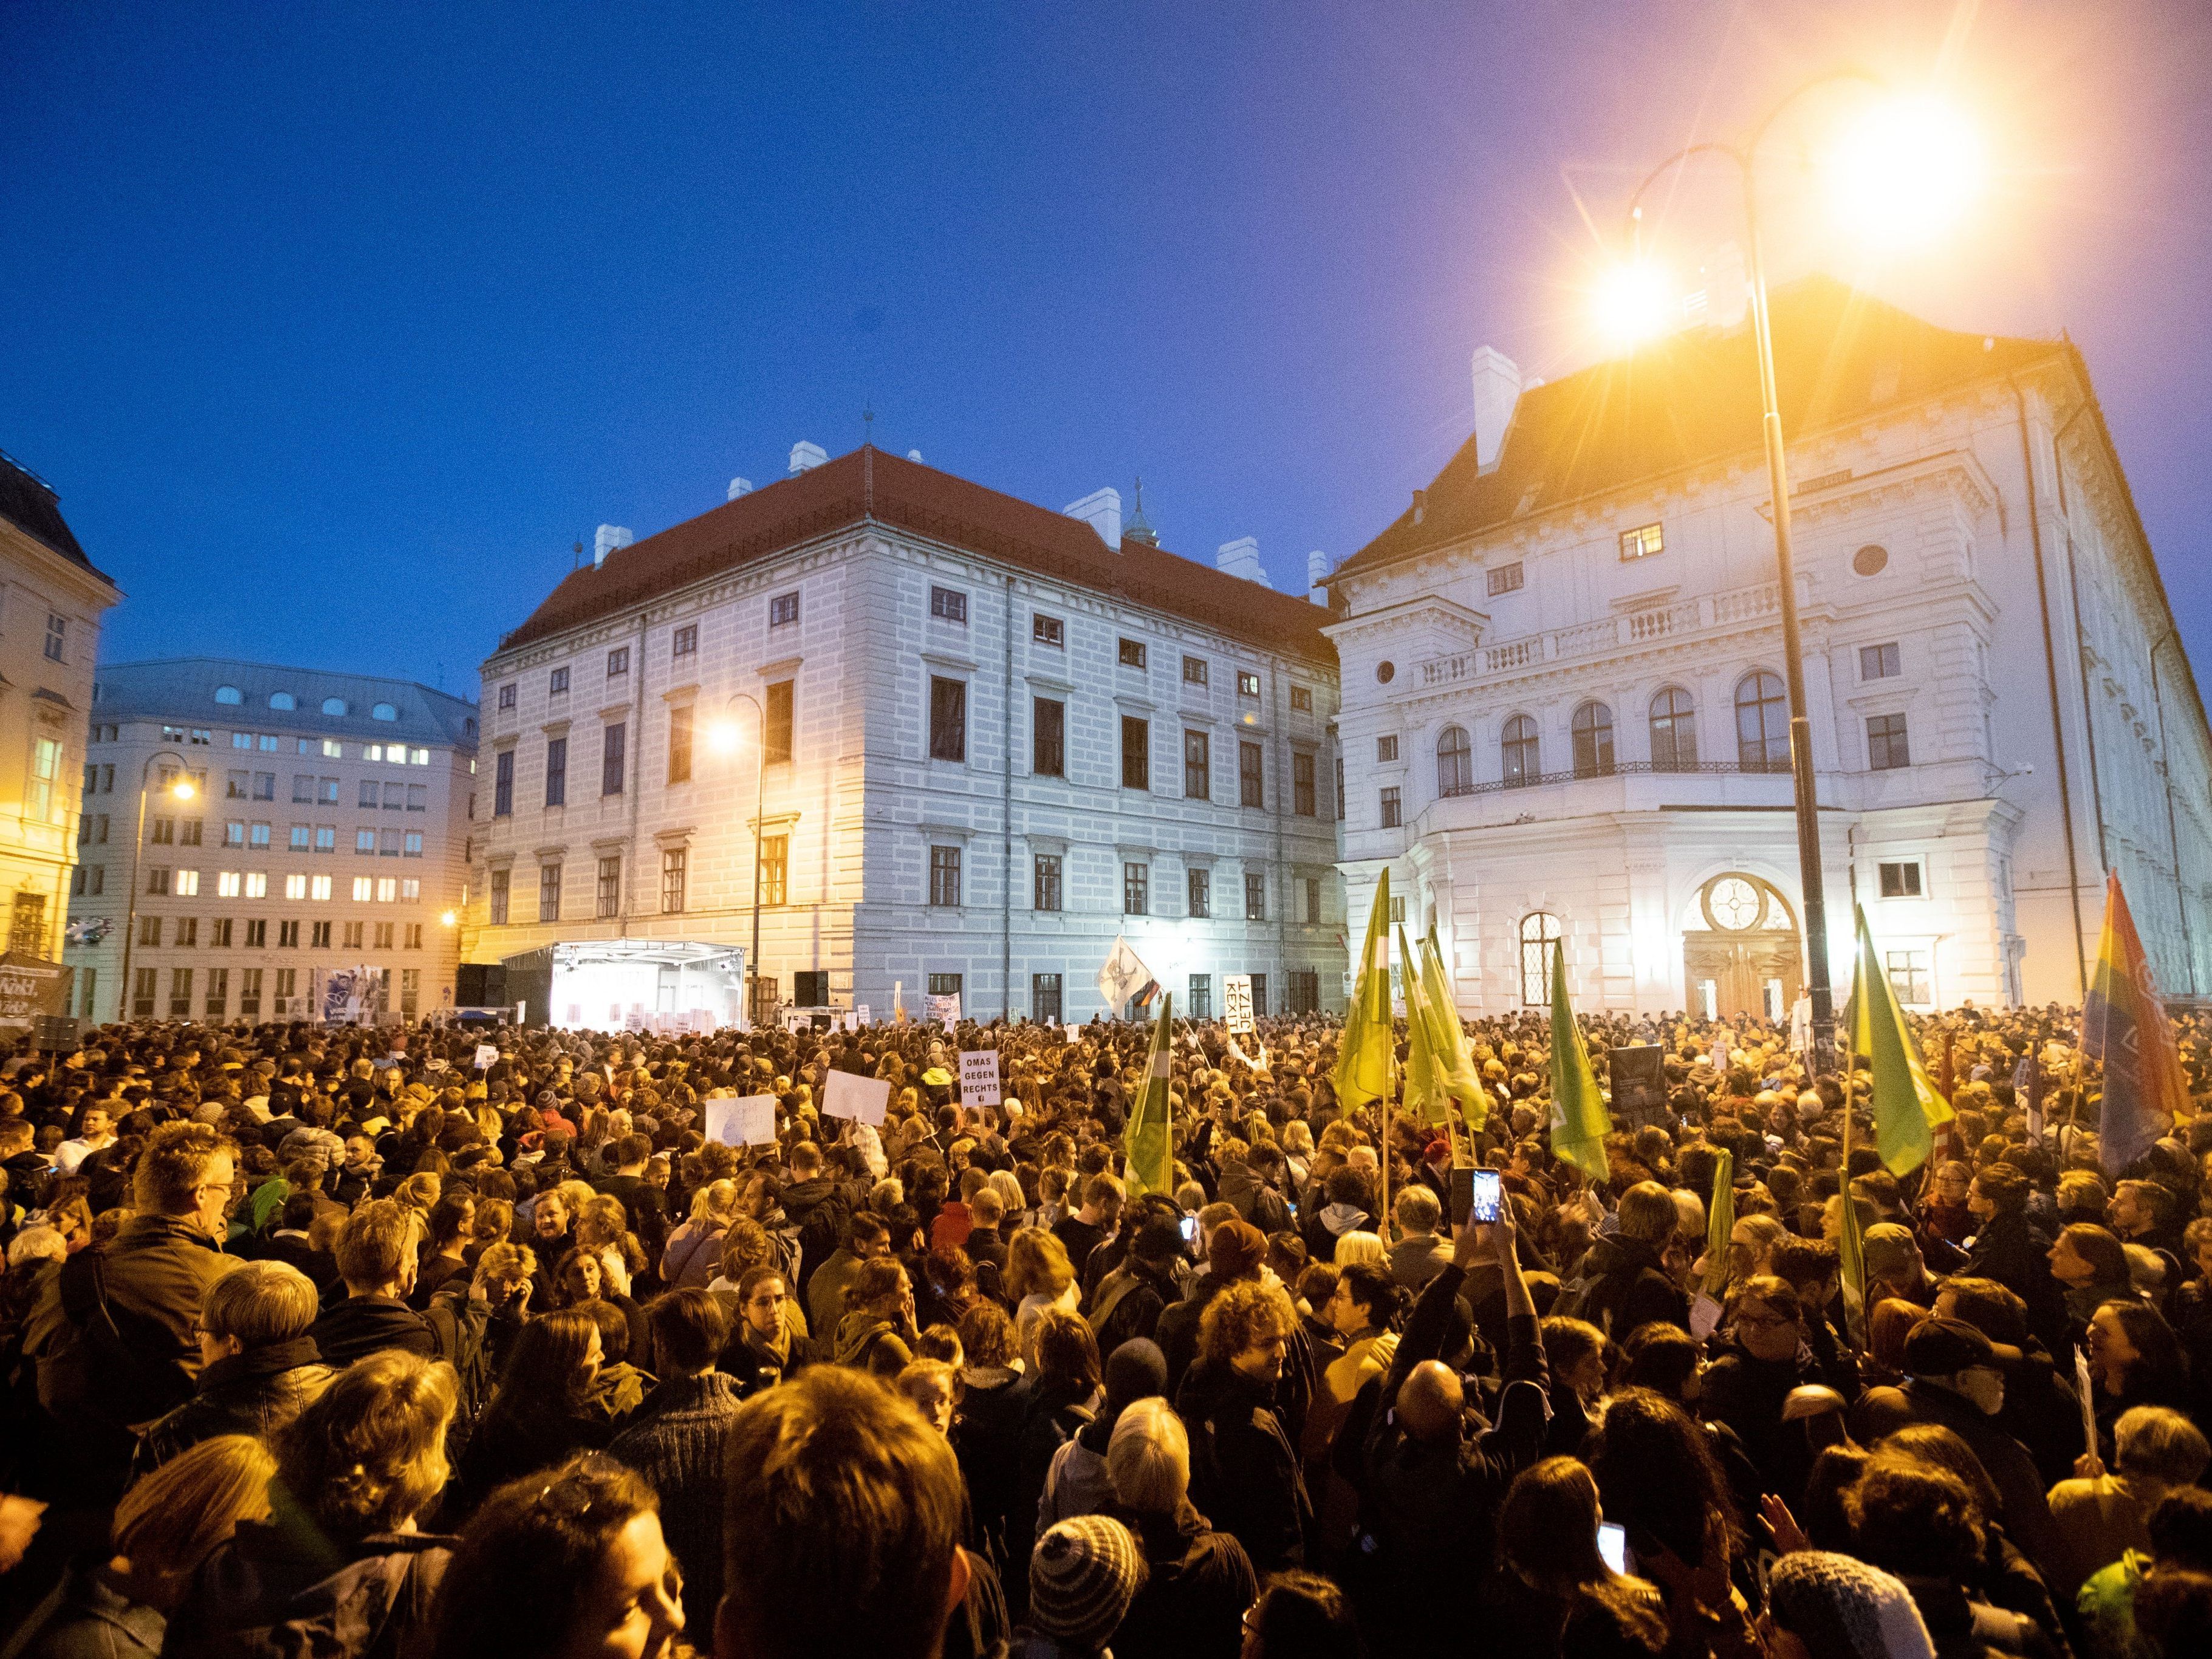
(1746,959)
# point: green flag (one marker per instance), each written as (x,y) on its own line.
(1906,1104)
(1720,1223)
(1148,1140)
(1427,1096)
(1367,1058)
(1851,1252)
(1579,1120)
(1457,1064)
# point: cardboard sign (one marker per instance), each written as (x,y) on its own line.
(861,1099)
(1237,992)
(946,1009)
(487,1056)
(979,1077)
(861,1017)
(747,1121)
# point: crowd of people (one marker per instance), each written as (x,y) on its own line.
(331,1341)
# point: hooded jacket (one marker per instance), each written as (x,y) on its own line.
(870,1342)
(1244,1465)
(1629,1288)
(363,1325)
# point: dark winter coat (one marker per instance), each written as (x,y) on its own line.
(363,1325)
(1193,1604)
(1629,1288)
(86,1616)
(279,1589)
(676,1443)
(256,1392)
(156,1273)
(1244,1465)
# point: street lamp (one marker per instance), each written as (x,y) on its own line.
(724,737)
(1911,165)
(180,787)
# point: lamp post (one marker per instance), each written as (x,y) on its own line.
(181,788)
(727,739)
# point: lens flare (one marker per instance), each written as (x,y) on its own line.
(1905,171)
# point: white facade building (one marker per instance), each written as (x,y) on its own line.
(325,828)
(1564,678)
(986,738)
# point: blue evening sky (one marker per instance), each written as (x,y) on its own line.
(335,325)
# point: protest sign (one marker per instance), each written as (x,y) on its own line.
(746,1121)
(1236,991)
(979,1077)
(487,1056)
(946,1008)
(862,1099)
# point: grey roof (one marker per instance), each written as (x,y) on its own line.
(29,503)
(182,690)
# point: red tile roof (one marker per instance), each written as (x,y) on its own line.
(870,483)
(1693,398)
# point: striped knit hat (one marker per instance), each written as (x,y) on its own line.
(1085,1572)
(1841,1608)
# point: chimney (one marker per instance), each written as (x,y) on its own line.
(1497,389)
(806,457)
(1317,577)
(1101,510)
(610,537)
(740,487)
(1242,558)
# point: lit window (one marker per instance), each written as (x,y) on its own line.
(1642,542)
(418,757)
(187,883)
(319,887)
(296,887)
(332,749)
(387,889)
(411,887)
(257,883)
(1247,686)
(362,887)
(227,884)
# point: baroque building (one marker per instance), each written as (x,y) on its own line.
(1563,680)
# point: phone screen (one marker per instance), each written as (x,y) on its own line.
(1483,1195)
(1612,1545)
(1190,1230)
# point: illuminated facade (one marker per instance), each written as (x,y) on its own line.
(1564,695)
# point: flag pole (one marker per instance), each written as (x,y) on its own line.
(1390,1093)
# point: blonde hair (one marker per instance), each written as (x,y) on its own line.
(1148,1458)
(368,1453)
(714,1204)
(1036,1265)
(178,1516)
(1361,1249)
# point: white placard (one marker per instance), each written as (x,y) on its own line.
(862,1099)
(1071,1032)
(861,1017)
(798,1022)
(747,1121)
(946,1009)
(1704,1317)
(1237,992)
(979,1077)
(486,1054)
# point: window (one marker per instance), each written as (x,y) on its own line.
(556,771)
(1194,670)
(498,890)
(617,662)
(1878,662)
(1044,882)
(809,988)
(318,888)
(328,791)
(1593,738)
(1247,686)
(945,985)
(364,842)
(1131,654)
(502,789)
(385,711)
(161,832)
(303,787)
(302,838)
(1455,761)
(783,611)
(58,631)
(1255,904)
(1504,579)
(946,606)
(413,937)
(258,837)
(335,706)
(1518,750)
(383,935)
(180,994)
(1304,992)
(775,868)
(613,740)
(149,930)
(1642,542)
(410,990)
(355,935)
(674,862)
(370,794)
(296,887)
(1047,738)
(223,694)
(419,795)
(609,888)
(326,838)
(1301,784)
(1674,731)
(1136,890)
(1540,937)
(318,938)
(1313,901)
(1908,976)
(1260,995)
(46,767)
(1044,997)
(554,687)
(1250,775)
(264,786)
(684,641)
(1900,880)
(776,742)
(1392,810)
(680,745)
(1136,752)
(1201,996)
(506,695)
(1886,749)
(1197,766)
(948,719)
(229,884)
(944,877)
(548,891)
(1340,789)
(1301,700)
(235,785)
(1048,630)
(364,889)
(1385,748)
(188,931)
(238,739)
(142,994)
(1762,723)
(267,744)
(422,758)
(157,881)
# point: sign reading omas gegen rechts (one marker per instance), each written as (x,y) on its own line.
(979,1077)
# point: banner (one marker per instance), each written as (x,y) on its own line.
(2123,1024)
(946,1009)
(487,1056)
(30,988)
(349,996)
(979,1077)
(1237,994)
(1124,979)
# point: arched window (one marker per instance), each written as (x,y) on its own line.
(1540,937)
(383,711)
(1518,750)
(282,700)
(1674,731)
(334,705)
(1762,723)
(1455,761)
(228,694)
(1593,729)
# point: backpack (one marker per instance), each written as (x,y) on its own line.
(458,1324)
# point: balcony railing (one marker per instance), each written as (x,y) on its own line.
(1619,769)
(1625,632)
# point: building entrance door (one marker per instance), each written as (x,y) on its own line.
(1747,959)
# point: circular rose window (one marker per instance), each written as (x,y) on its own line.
(1736,904)
(1385,671)
(1870,560)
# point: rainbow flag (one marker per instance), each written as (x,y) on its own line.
(2123,1024)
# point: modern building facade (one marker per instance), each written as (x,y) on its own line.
(1565,683)
(976,738)
(248,830)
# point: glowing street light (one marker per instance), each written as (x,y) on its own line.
(1905,171)
(724,736)
(1632,302)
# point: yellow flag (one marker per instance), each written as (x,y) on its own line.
(1366,1063)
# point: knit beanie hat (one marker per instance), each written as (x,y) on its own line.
(1084,1574)
(1236,1249)
(1841,1608)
